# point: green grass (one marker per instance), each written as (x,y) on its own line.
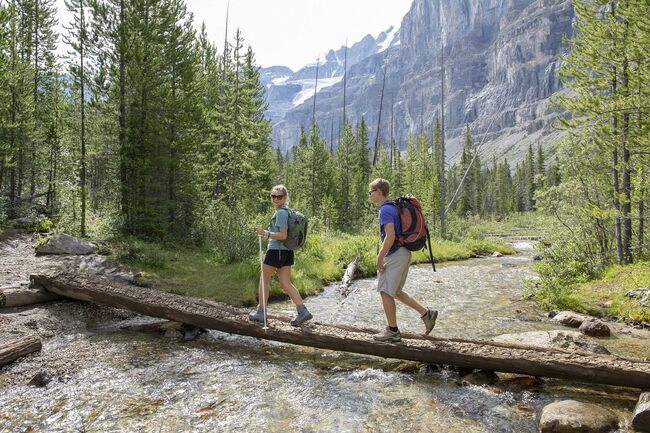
(518,224)
(606,295)
(195,272)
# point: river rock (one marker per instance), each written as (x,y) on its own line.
(25,222)
(570,416)
(191,333)
(98,265)
(66,244)
(497,254)
(40,380)
(568,340)
(570,318)
(642,294)
(594,328)
(480,377)
(641,417)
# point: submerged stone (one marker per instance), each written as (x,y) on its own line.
(570,416)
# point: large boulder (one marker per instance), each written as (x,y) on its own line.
(641,417)
(594,328)
(568,340)
(66,244)
(569,318)
(570,416)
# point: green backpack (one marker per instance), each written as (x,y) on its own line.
(297,230)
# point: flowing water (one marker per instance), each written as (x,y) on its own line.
(121,381)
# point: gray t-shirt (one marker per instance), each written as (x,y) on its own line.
(280,220)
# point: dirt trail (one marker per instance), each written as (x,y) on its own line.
(18,261)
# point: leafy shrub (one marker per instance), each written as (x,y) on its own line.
(143,253)
(44,225)
(228,232)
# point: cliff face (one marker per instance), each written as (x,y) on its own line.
(501,61)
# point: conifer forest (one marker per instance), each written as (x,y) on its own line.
(146,128)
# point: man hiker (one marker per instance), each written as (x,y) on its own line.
(393,265)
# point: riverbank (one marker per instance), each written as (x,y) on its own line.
(621,293)
(104,377)
(196,272)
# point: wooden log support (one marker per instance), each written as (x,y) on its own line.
(20,296)
(641,417)
(346,281)
(486,355)
(15,349)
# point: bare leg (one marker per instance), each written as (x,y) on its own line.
(284,276)
(406,299)
(389,308)
(265,284)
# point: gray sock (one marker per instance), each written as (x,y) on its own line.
(301,308)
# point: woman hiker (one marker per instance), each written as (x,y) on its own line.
(393,264)
(278,259)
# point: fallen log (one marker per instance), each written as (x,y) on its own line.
(20,296)
(15,349)
(486,355)
(346,281)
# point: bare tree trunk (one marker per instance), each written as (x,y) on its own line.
(32,166)
(82,77)
(443,186)
(124,186)
(615,182)
(171,193)
(381,103)
(626,207)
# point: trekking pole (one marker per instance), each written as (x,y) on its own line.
(262,294)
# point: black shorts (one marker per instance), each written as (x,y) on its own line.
(279,258)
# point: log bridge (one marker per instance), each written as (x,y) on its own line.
(482,354)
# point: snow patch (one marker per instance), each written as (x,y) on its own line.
(388,40)
(308,88)
(280,80)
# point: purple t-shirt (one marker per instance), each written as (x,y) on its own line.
(389,213)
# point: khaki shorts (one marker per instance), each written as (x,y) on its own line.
(396,269)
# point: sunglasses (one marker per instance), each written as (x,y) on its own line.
(371,191)
(277,197)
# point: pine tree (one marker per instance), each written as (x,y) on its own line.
(79,40)
(19,105)
(605,69)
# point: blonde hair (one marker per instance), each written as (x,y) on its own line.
(281,189)
(382,185)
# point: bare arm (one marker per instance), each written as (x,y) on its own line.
(278,236)
(389,229)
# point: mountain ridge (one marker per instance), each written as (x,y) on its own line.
(501,62)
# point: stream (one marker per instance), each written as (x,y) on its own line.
(125,381)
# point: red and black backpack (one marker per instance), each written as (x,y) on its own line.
(414,235)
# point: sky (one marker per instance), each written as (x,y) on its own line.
(292,33)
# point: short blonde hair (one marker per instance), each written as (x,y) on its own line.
(382,185)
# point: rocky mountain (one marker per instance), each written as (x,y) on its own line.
(286,89)
(501,61)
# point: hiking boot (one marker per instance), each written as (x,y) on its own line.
(257,315)
(429,320)
(388,335)
(301,316)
